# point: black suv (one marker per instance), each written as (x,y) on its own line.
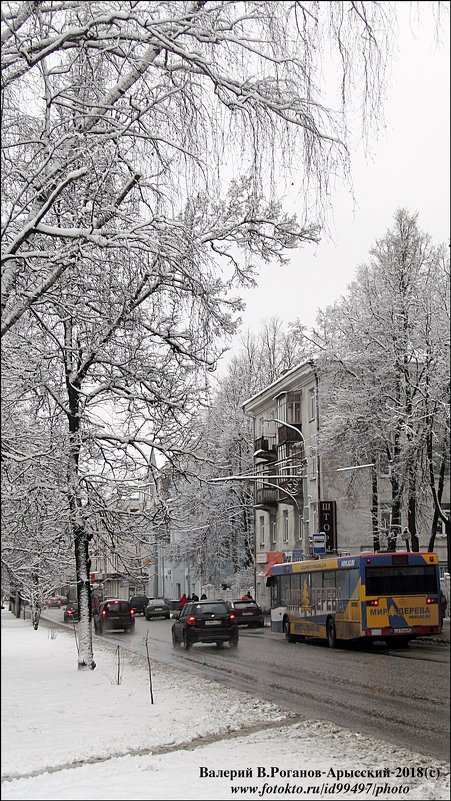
(114,614)
(205,621)
(139,603)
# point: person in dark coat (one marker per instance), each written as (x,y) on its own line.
(194,597)
(203,597)
(443,605)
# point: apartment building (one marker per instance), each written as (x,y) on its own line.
(305,504)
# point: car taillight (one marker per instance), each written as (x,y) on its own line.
(431,600)
(191,619)
(232,616)
(374,602)
(132,611)
(104,613)
(69,612)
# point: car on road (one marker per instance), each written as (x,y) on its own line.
(174,607)
(114,614)
(55,601)
(71,612)
(157,607)
(206,622)
(139,603)
(247,613)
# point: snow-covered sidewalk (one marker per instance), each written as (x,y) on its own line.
(80,735)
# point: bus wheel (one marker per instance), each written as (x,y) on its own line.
(287,631)
(331,633)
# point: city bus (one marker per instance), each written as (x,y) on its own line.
(372,596)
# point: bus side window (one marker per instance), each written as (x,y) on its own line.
(275,592)
(353,582)
(316,591)
(284,587)
(294,595)
(343,585)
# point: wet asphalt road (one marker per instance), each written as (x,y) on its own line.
(401,695)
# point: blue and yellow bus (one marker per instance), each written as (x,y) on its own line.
(374,596)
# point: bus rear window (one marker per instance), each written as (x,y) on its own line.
(408,580)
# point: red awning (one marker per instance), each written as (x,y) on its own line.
(274,558)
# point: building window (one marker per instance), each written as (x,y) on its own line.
(262,531)
(285,525)
(312,404)
(293,407)
(273,531)
(313,464)
(289,407)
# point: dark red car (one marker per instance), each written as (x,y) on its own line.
(55,601)
(71,612)
(248,613)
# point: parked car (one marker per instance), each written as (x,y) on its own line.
(71,612)
(174,607)
(139,603)
(248,613)
(114,614)
(205,621)
(157,607)
(55,601)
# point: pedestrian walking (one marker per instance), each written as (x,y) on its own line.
(183,600)
(194,597)
(443,605)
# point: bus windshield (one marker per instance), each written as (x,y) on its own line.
(407,580)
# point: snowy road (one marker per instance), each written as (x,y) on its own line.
(398,695)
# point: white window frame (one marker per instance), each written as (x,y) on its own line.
(312,404)
(313,472)
(286,527)
(261,525)
(273,532)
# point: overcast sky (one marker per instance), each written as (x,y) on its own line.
(409,167)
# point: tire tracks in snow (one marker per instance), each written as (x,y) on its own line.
(189,745)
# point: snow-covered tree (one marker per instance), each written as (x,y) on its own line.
(140,186)
(133,108)
(385,363)
(215,512)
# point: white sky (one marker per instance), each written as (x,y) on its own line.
(409,168)
(54,715)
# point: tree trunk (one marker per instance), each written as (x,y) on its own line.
(82,561)
(77,524)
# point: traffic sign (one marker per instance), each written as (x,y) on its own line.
(319,543)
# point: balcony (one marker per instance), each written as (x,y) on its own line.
(265,448)
(266,497)
(287,433)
